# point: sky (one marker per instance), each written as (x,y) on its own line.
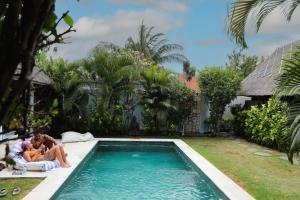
(198,25)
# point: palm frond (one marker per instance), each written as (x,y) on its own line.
(292,9)
(237,18)
(173,57)
(295,138)
(152,46)
(266,8)
(288,82)
(240,11)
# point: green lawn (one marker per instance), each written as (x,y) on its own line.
(263,177)
(26,184)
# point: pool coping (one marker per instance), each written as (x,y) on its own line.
(55,179)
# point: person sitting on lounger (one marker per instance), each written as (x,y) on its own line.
(32,155)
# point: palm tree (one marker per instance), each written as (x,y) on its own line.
(111,75)
(188,70)
(155,47)
(69,87)
(241,10)
(67,83)
(156,92)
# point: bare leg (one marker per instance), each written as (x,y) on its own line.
(26,156)
(63,154)
(54,153)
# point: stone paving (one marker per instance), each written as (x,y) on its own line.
(295,160)
(265,152)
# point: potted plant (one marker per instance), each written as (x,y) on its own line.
(9,162)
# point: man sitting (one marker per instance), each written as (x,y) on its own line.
(40,138)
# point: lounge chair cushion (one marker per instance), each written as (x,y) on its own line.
(71,136)
(3,146)
(35,166)
(15,148)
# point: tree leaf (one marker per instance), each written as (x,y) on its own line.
(68,20)
(50,22)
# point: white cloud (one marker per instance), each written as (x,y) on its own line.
(275,32)
(267,47)
(116,29)
(275,22)
(168,6)
(179,6)
(211,42)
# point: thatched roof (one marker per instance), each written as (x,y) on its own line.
(261,82)
(39,77)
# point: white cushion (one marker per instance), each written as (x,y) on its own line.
(72,136)
(2,150)
(15,148)
(12,145)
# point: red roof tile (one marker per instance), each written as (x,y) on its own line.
(192,84)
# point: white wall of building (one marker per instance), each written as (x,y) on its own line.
(239,100)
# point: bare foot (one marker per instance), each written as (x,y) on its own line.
(65,166)
(67,163)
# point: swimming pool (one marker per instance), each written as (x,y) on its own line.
(137,170)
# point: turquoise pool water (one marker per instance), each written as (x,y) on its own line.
(137,171)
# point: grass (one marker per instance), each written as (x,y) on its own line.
(26,185)
(267,178)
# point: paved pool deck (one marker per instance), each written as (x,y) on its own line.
(77,152)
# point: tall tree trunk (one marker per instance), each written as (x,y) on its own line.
(18,45)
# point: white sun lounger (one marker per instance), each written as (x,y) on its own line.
(15,154)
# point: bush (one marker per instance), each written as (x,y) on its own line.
(149,121)
(219,86)
(106,123)
(238,123)
(267,124)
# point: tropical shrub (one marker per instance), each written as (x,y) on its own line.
(267,124)
(156,93)
(166,101)
(107,123)
(241,63)
(43,119)
(219,86)
(111,74)
(183,98)
(69,88)
(148,119)
(238,122)
(6,158)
